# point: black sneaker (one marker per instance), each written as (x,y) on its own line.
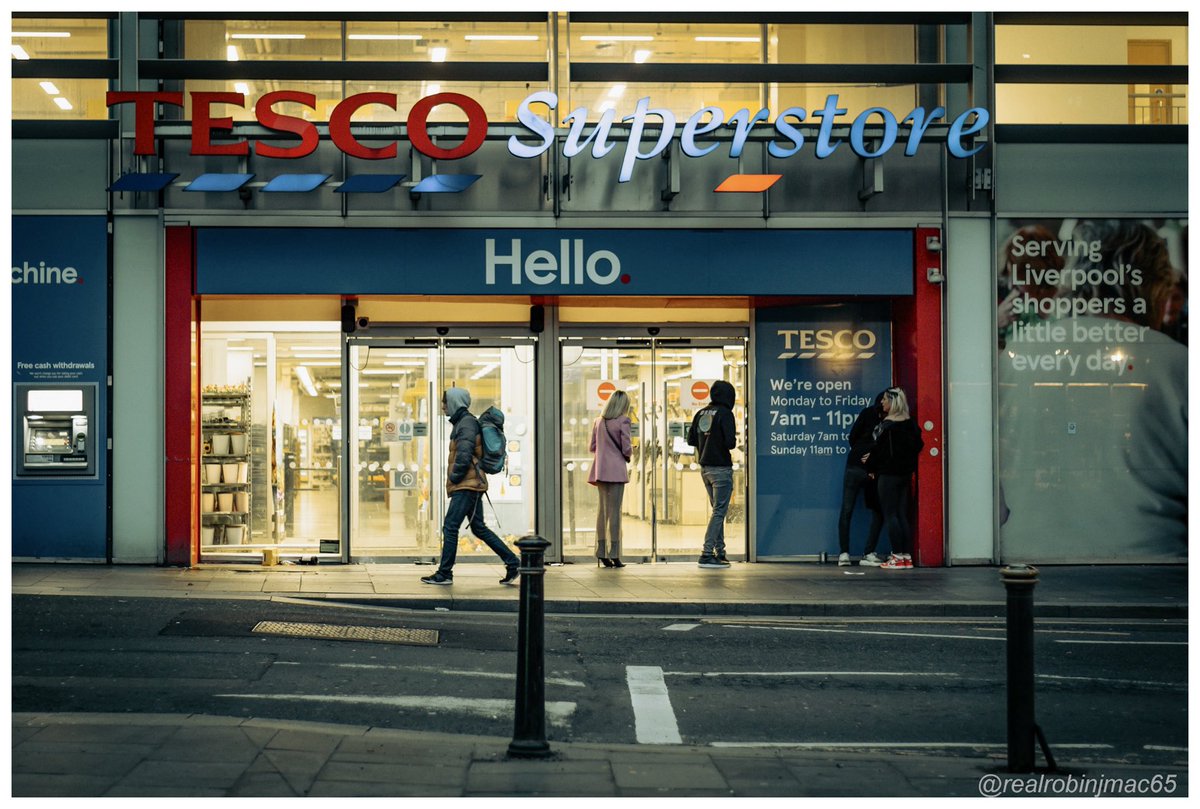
(711,562)
(510,575)
(438,578)
(721,558)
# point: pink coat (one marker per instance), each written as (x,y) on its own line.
(608,462)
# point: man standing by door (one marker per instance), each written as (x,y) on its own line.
(714,433)
(465,485)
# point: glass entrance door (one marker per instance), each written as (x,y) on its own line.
(399,446)
(665,506)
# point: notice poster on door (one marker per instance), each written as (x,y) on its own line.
(1092,390)
(817,367)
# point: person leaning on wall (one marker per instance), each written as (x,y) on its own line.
(611,447)
(855,480)
(892,461)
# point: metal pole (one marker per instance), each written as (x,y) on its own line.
(529,723)
(1019,581)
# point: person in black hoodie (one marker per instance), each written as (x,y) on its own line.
(892,461)
(714,433)
(857,479)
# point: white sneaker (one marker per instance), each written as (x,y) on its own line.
(844,560)
(871,560)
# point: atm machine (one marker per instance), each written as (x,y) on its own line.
(55,430)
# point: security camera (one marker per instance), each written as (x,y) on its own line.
(363,322)
(443,330)
(653,330)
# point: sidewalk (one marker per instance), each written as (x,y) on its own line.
(111,755)
(798,589)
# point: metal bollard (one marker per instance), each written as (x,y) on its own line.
(1019,581)
(529,724)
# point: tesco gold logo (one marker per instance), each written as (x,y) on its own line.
(845,344)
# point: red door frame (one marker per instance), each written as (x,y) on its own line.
(181,378)
(918,327)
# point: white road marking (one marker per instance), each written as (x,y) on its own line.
(679,627)
(896,745)
(498,675)
(812,674)
(557,713)
(653,716)
(1130,642)
(1164,748)
(868,632)
(1104,681)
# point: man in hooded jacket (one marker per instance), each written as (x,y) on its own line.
(465,485)
(714,433)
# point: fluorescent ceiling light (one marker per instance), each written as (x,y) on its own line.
(502,37)
(306,380)
(383,372)
(617,38)
(385,37)
(231,53)
(728,39)
(49,87)
(485,370)
(617,90)
(323,364)
(266,36)
(607,104)
(438,54)
(43,34)
(641,56)
(433,89)
(241,87)
(62,103)
(19,53)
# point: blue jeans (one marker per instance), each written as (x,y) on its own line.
(718,482)
(464,505)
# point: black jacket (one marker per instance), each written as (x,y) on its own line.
(897,448)
(712,447)
(861,434)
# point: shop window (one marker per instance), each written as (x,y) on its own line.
(683,100)
(54,38)
(257,40)
(406,41)
(1134,103)
(843,44)
(270,436)
(59,99)
(641,42)
(1091,104)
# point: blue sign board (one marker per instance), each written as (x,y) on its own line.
(817,367)
(297,261)
(60,337)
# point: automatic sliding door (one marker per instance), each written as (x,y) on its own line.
(665,507)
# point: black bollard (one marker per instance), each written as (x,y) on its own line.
(1019,581)
(529,724)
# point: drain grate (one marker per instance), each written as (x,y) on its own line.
(374,634)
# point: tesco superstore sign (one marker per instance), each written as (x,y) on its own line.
(541,133)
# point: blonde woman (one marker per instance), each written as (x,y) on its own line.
(892,461)
(611,447)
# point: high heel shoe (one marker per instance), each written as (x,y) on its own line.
(600,560)
(615,563)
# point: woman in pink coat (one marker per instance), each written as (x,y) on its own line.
(611,448)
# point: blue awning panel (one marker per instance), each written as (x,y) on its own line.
(369,183)
(219,182)
(295,183)
(138,181)
(445,183)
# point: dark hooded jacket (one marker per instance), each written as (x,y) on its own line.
(861,438)
(466,445)
(713,446)
(897,448)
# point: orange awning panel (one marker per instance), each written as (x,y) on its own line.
(749,183)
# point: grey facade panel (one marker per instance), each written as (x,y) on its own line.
(1087,179)
(61,175)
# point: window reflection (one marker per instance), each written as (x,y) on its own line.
(37,38)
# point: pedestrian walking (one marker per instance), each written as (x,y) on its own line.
(611,447)
(465,486)
(856,479)
(893,461)
(714,433)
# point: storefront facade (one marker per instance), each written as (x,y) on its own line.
(311,226)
